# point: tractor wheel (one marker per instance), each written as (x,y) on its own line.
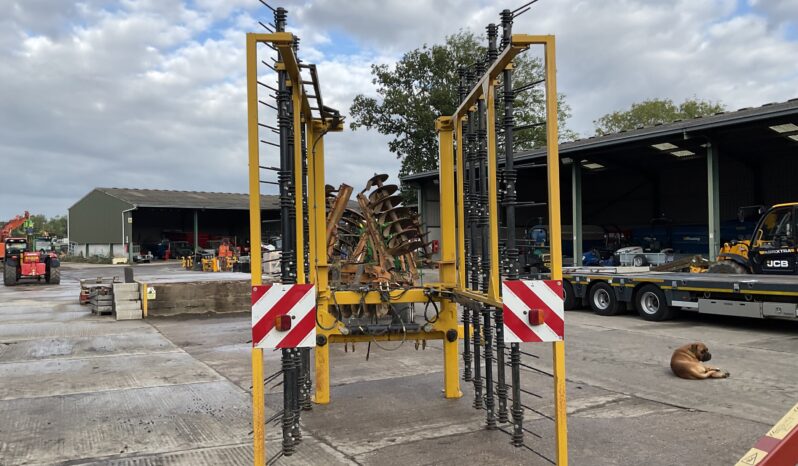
(54,275)
(729,267)
(9,274)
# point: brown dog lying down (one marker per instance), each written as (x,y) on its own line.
(686,363)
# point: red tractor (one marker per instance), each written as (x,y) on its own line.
(24,262)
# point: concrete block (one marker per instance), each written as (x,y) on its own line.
(127,314)
(201,297)
(128,306)
(271,262)
(126,287)
(123,295)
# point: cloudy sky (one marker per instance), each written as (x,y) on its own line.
(151,93)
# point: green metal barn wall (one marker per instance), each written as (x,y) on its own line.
(97,219)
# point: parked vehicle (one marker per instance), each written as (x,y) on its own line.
(140,256)
(660,295)
(21,261)
(180,249)
(771,249)
(636,256)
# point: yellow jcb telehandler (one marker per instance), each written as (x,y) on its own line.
(771,249)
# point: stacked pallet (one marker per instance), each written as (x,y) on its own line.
(101,299)
(127,301)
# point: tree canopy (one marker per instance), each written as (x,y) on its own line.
(655,111)
(423,86)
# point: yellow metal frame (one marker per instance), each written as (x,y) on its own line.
(485,89)
(253,141)
(315,129)
(283,41)
(452,278)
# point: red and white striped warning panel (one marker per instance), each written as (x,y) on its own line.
(778,447)
(533,311)
(284,316)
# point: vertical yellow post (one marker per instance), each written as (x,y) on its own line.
(555,235)
(296,90)
(493,209)
(322,352)
(448,265)
(322,357)
(145,304)
(460,175)
(258,415)
(258,408)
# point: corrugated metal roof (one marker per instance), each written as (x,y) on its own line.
(188,199)
(718,120)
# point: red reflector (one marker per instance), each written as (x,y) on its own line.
(282,323)
(536,317)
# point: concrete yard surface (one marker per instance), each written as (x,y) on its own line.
(80,389)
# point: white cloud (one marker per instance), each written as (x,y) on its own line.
(622,51)
(152,93)
(779,10)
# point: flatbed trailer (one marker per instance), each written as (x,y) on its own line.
(658,295)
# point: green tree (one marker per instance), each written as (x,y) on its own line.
(655,111)
(423,86)
(55,226)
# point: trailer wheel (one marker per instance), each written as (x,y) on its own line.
(9,273)
(639,260)
(603,301)
(54,275)
(651,303)
(568,295)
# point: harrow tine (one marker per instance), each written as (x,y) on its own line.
(275,416)
(272,377)
(274,458)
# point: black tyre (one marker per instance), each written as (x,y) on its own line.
(568,295)
(726,266)
(603,301)
(651,303)
(54,275)
(639,261)
(9,274)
